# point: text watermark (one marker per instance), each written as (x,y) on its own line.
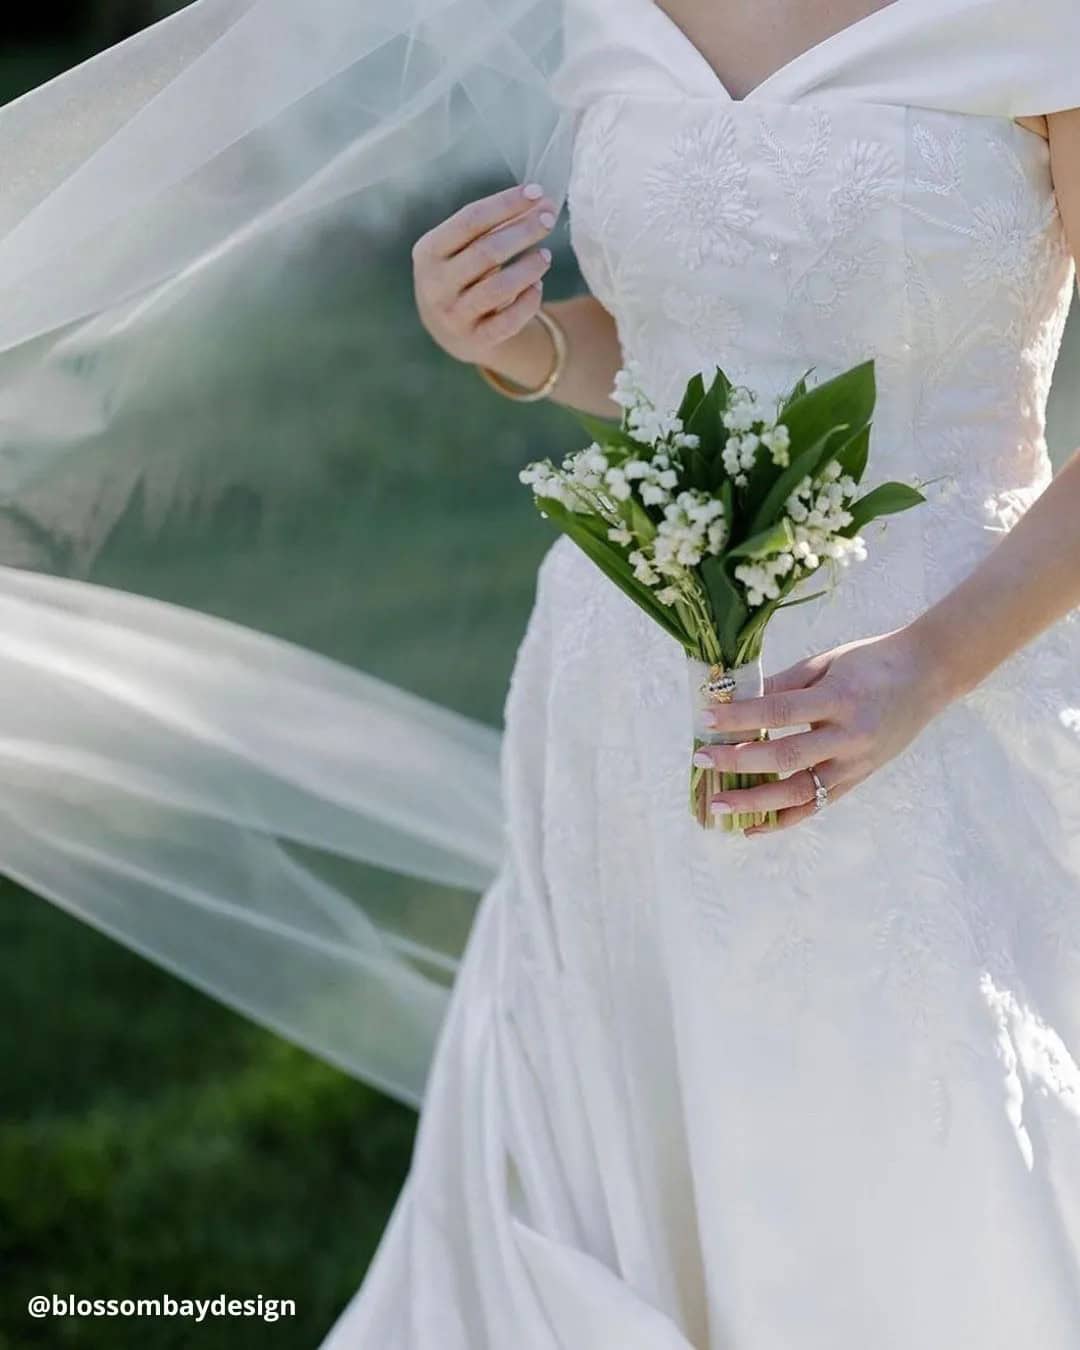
(162,1305)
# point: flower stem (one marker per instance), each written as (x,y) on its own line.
(705,784)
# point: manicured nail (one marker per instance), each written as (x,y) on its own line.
(547,219)
(545,253)
(720,808)
(703,760)
(533,191)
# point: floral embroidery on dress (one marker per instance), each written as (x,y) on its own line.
(865,177)
(711,320)
(591,201)
(697,198)
(939,158)
(1007,240)
(795,166)
(839,255)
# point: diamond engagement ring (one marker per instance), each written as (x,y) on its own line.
(821,792)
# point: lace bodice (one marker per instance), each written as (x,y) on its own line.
(811,235)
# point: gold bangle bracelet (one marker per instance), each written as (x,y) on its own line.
(516,392)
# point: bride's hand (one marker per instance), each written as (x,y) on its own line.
(863,702)
(470,296)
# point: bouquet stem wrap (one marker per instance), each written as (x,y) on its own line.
(709,685)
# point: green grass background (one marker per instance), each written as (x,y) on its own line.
(150,1140)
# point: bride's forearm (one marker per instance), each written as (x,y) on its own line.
(593,355)
(1028,581)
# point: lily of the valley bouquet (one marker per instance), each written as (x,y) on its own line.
(708,516)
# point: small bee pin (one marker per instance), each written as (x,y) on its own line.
(719,687)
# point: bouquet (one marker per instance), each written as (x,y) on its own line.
(708,517)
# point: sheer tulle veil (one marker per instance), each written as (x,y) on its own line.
(222,783)
(199,752)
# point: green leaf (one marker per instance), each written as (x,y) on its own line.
(853,454)
(761,616)
(638,519)
(589,533)
(727,493)
(607,432)
(720,389)
(772,540)
(727,604)
(704,422)
(696,471)
(881,501)
(599,428)
(760,479)
(798,389)
(790,604)
(803,464)
(727,496)
(695,392)
(846,399)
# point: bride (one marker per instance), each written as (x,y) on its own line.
(814,1085)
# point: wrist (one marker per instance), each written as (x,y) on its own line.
(529,364)
(936,656)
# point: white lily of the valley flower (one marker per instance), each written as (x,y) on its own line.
(643,568)
(776,440)
(617,485)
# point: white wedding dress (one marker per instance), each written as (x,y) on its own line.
(816,1090)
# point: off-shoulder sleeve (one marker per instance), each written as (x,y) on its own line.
(1012,58)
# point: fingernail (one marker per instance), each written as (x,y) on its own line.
(533,191)
(720,808)
(547,219)
(703,760)
(545,253)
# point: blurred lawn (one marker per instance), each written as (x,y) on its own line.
(151,1141)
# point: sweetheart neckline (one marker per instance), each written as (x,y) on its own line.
(815,49)
(673,33)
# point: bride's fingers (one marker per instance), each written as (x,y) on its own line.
(495,291)
(792,815)
(778,708)
(784,755)
(795,791)
(784,820)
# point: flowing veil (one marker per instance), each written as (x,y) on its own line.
(248,724)
(206,531)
